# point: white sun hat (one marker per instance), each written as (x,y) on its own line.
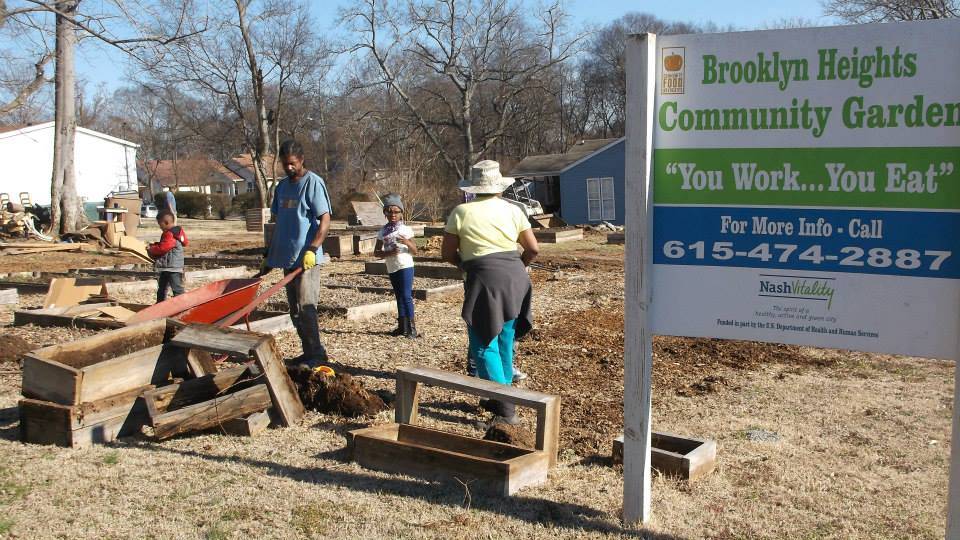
(485,179)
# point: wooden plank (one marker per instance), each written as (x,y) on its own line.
(338,246)
(124,373)
(250,426)
(192,391)
(638,294)
(200,362)
(283,391)
(616,238)
(9,296)
(44,249)
(215,339)
(366,312)
(270,325)
(24,287)
(218,273)
(210,413)
(49,380)
(475,386)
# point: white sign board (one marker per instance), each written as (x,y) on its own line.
(807,187)
(792,186)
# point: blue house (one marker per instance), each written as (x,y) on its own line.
(584,185)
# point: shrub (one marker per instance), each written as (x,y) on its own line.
(245,201)
(219,205)
(191,204)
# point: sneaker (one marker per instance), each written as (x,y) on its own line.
(518,375)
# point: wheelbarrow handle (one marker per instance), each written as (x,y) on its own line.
(263,297)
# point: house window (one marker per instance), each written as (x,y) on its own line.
(219,188)
(249,186)
(601,202)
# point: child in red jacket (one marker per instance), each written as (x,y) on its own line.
(168,255)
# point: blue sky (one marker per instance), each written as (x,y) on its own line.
(96,64)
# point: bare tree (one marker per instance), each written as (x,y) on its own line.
(458,67)
(69,22)
(256,50)
(870,11)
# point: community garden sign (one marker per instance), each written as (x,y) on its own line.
(791,186)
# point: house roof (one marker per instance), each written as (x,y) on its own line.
(242,166)
(554,164)
(186,172)
(19,129)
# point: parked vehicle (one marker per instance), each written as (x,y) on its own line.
(148,211)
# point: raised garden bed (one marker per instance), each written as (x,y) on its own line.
(674,455)
(423,288)
(558,236)
(425,269)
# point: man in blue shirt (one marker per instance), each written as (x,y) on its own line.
(301,210)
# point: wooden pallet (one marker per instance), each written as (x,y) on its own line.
(674,455)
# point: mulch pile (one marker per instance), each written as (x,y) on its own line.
(579,356)
(13,347)
(340,394)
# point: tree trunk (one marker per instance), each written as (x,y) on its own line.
(64,204)
(262,142)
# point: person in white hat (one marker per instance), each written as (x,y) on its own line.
(481,237)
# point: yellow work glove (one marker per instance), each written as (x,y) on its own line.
(309,260)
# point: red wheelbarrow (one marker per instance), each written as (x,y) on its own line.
(222,302)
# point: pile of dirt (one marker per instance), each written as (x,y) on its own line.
(579,356)
(340,394)
(514,435)
(13,347)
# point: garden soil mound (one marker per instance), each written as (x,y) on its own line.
(340,394)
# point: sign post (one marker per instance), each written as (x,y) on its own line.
(805,190)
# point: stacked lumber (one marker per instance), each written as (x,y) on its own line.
(157,377)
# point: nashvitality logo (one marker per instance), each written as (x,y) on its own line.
(797,287)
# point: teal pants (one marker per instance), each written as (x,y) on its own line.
(494,359)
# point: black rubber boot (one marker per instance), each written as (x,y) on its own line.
(411,329)
(506,413)
(401,330)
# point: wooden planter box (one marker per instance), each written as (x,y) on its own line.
(674,455)
(558,236)
(101,366)
(488,466)
(79,426)
(435,271)
(362,312)
(338,246)
(616,238)
(364,244)
(430,230)
(256,218)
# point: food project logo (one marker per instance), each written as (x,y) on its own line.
(798,288)
(674,62)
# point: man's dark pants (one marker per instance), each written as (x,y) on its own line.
(303,293)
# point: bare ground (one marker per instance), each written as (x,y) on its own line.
(857,445)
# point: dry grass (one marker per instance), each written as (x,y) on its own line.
(863,448)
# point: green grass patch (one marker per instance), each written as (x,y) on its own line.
(216,533)
(311,519)
(6,525)
(111,458)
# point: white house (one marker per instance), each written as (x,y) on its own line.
(103,163)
